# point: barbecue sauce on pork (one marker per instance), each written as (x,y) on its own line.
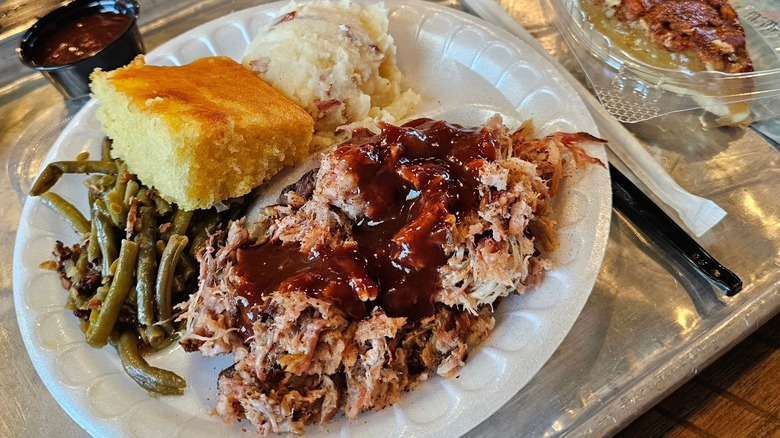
(417,180)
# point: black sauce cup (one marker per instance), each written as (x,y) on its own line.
(72,80)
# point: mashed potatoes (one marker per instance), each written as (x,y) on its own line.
(336,60)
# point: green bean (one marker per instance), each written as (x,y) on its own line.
(93,318)
(75,300)
(113,267)
(71,214)
(152,379)
(93,247)
(162,206)
(121,283)
(106,234)
(82,266)
(84,326)
(76,268)
(143,195)
(69,303)
(132,189)
(102,292)
(52,173)
(105,149)
(198,240)
(156,337)
(92,194)
(115,201)
(181,221)
(186,271)
(100,295)
(201,231)
(160,247)
(164,284)
(130,308)
(100,184)
(117,213)
(189,267)
(166,341)
(147,268)
(69,266)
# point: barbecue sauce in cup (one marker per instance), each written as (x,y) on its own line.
(69,43)
(81,39)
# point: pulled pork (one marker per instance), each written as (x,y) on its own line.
(303,354)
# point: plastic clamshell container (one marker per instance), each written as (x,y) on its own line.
(634,91)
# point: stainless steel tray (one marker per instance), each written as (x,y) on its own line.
(649,325)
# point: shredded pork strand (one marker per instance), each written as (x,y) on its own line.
(306,360)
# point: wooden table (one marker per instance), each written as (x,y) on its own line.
(737,396)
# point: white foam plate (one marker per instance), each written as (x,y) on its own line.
(465,70)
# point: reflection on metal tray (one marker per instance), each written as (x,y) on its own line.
(649,324)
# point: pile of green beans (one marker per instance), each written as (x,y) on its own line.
(142,249)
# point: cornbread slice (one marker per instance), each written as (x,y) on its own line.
(200,133)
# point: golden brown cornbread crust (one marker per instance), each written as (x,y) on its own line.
(199,133)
